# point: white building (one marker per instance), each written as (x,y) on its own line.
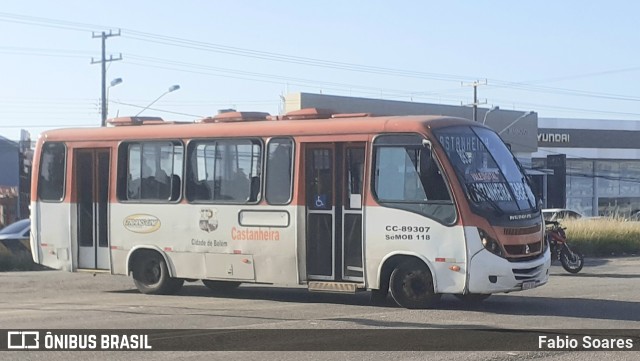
(602,163)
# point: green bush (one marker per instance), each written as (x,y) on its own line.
(604,236)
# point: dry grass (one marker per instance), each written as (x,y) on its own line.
(604,236)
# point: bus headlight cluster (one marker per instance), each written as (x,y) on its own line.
(489,243)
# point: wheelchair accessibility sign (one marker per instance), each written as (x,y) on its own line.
(321,201)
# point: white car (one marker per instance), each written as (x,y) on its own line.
(558,214)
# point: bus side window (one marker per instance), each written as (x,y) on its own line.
(52,172)
(255,189)
(175,187)
(433,182)
(279,175)
(133,187)
(237,188)
(224,171)
(151,169)
(407,176)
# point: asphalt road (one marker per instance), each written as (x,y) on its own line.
(604,295)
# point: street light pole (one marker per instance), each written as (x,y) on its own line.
(171,89)
(487,113)
(515,121)
(113,83)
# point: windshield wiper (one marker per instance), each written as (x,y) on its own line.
(483,194)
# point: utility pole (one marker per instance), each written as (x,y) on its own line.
(104,35)
(475,97)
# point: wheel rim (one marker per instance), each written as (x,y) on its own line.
(571,260)
(415,285)
(151,272)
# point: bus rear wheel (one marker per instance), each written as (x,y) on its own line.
(221,285)
(412,285)
(151,275)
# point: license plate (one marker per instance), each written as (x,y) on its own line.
(528,285)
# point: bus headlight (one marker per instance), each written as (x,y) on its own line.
(489,243)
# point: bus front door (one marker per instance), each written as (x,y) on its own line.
(334,178)
(92,190)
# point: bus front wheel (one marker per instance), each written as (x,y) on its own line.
(151,275)
(412,285)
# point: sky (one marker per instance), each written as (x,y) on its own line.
(571,59)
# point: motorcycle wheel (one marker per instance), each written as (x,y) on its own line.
(571,261)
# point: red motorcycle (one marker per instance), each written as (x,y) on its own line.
(572,261)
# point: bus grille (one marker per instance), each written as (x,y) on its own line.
(525,274)
(523,249)
(520,231)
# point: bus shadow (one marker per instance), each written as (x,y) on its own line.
(551,306)
(597,275)
(588,263)
(294,295)
(496,304)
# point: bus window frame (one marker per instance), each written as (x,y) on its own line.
(122,172)
(64,173)
(394,205)
(292,168)
(193,142)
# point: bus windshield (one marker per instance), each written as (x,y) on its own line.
(487,169)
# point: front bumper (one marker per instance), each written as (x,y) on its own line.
(489,273)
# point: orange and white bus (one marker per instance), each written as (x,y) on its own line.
(417,206)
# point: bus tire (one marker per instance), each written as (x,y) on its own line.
(151,275)
(221,285)
(412,285)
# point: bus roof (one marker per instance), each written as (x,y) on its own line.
(156,128)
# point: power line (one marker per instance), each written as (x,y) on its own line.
(584,75)
(156,109)
(47,22)
(562,91)
(212,47)
(174,41)
(568,109)
(278,79)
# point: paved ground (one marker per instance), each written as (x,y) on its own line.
(604,295)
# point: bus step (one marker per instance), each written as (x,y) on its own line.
(338,287)
(93,270)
